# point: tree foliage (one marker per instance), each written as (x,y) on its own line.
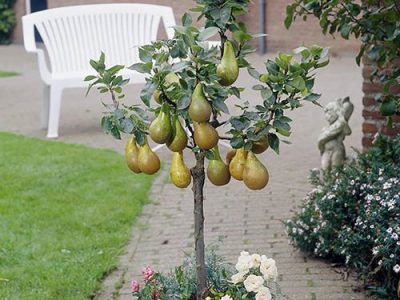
(284,84)
(375,23)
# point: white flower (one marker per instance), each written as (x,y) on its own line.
(226,297)
(255,260)
(237,278)
(208,298)
(268,268)
(396,268)
(244,262)
(253,283)
(263,294)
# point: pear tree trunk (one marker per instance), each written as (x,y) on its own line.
(198,175)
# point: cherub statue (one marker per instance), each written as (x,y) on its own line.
(330,140)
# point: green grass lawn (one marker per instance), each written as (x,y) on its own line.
(8,73)
(66,212)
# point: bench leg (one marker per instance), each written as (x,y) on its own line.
(45,107)
(54,113)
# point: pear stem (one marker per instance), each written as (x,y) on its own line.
(198,175)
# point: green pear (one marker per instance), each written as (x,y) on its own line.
(217,170)
(179,137)
(170,78)
(149,163)
(199,110)
(236,165)
(205,136)
(131,155)
(160,129)
(255,174)
(180,174)
(260,146)
(228,69)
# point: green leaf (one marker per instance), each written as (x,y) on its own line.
(115,133)
(183,102)
(273,142)
(345,30)
(253,73)
(115,69)
(106,123)
(186,19)
(90,77)
(147,92)
(145,55)
(142,67)
(298,83)
(312,97)
(237,142)
(207,33)
(290,9)
(126,125)
(220,105)
(210,155)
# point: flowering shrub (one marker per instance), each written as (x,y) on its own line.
(254,278)
(353,215)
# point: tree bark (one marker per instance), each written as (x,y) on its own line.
(198,175)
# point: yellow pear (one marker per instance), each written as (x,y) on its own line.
(149,162)
(255,175)
(228,69)
(205,136)
(160,129)
(231,153)
(260,146)
(179,137)
(236,166)
(199,110)
(131,155)
(217,170)
(180,174)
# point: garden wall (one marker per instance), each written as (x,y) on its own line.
(373,121)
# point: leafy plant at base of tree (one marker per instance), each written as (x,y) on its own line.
(375,24)
(354,216)
(7,20)
(189,81)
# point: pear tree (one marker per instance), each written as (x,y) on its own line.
(188,80)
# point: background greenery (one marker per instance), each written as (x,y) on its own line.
(354,216)
(66,213)
(375,24)
(7,20)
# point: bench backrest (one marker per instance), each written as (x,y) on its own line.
(73,35)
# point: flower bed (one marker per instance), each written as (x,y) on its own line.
(253,277)
(354,216)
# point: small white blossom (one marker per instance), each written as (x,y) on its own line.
(396,268)
(226,297)
(253,283)
(268,268)
(263,294)
(238,278)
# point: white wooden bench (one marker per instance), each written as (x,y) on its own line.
(73,35)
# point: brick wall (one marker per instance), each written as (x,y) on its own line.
(374,122)
(278,37)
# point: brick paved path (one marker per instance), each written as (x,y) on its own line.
(243,220)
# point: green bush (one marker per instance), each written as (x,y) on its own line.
(353,216)
(7,20)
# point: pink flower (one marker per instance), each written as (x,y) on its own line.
(135,286)
(148,273)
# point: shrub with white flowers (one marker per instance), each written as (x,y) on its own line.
(353,216)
